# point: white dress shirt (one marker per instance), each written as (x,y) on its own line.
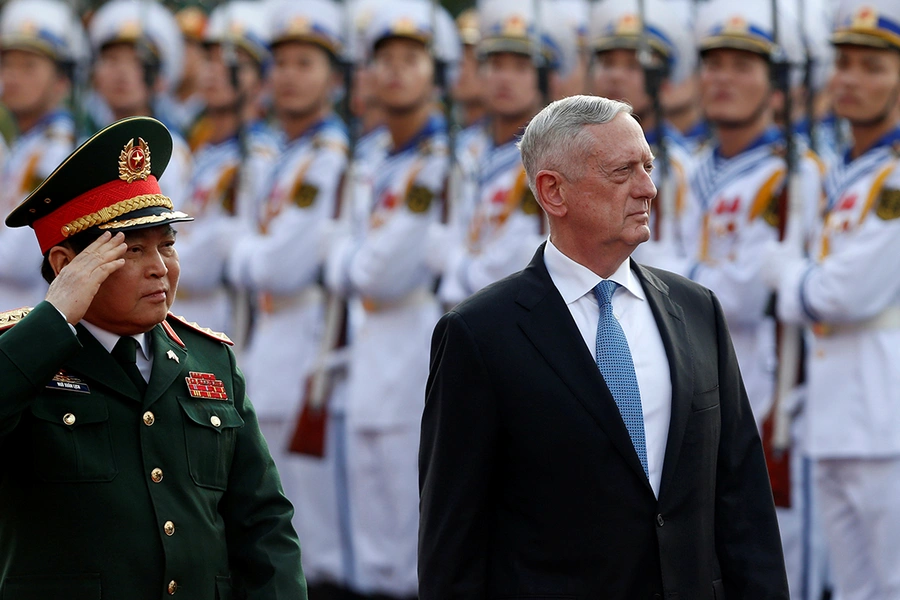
(143,357)
(576,283)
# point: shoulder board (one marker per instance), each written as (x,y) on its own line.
(11,317)
(215,335)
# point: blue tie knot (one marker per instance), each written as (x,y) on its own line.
(605,290)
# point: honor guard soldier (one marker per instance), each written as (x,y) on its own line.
(848,292)
(468,95)
(138,52)
(280,266)
(738,188)
(184,104)
(571,19)
(620,34)
(41,42)
(496,223)
(133,464)
(381,266)
(230,166)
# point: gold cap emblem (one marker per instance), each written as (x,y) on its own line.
(134,161)
(515,26)
(865,18)
(299,25)
(736,24)
(629,24)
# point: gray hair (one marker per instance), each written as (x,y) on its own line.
(556,138)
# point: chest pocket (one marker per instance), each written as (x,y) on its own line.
(71,439)
(210,434)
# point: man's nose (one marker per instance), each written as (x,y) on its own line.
(156,266)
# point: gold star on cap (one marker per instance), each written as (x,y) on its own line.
(134,161)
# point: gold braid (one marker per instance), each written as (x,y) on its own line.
(115,210)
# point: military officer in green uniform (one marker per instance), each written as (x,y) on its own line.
(132,462)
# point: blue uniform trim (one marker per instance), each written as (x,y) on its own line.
(804,303)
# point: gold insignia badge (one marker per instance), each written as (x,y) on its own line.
(134,161)
(530,204)
(772,212)
(419,198)
(888,207)
(305,195)
(629,24)
(865,18)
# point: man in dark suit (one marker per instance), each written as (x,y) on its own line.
(132,461)
(586,430)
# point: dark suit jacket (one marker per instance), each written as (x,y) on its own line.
(531,487)
(83,517)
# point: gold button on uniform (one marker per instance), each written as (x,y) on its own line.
(149,419)
(216,421)
(173,587)
(156,475)
(169,528)
(69,419)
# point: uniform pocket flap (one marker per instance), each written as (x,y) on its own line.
(70,412)
(212,414)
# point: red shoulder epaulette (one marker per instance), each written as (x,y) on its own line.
(219,337)
(11,317)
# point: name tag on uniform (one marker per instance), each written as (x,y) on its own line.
(205,385)
(62,381)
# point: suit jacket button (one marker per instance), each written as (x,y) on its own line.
(173,587)
(660,521)
(149,419)
(69,419)
(156,475)
(216,421)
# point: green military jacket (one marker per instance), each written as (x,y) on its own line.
(105,494)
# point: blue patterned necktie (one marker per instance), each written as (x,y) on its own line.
(617,367)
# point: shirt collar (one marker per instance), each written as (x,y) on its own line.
(574,280)
(108,339)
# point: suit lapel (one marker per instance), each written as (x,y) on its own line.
(550,327)
(97,365)
(670,321)
(169,361)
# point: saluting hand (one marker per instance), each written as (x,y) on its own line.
(78,281)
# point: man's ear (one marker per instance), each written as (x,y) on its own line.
(548,185)
(59,257)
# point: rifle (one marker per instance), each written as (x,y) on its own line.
(777,425)
(309,437)
(655,72)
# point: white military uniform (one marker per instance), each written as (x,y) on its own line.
(737,199)
(32,157)
(496,222)
(851,296)
(499,226)
(280,266)
(50,29)
(383,267)
(224,186)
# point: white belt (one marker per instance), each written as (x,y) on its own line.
(887,319)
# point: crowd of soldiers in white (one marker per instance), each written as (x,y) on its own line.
(329,250)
